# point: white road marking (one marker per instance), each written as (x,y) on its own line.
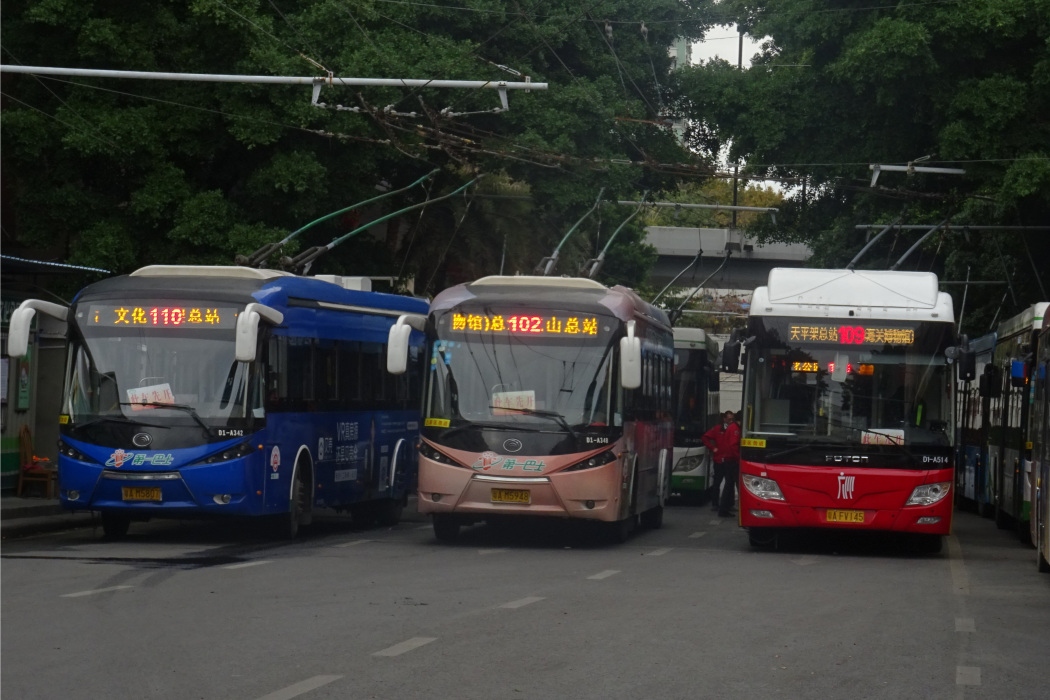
(353,543)
(522,602)
(299,688)
(484,552)
(659,552)
(967,675)
(81,594)
(716,522)
(405,646)
(697,535)
(247,564)
(805,561)
(423,527)
(960,579)
(965,624)
(604,574)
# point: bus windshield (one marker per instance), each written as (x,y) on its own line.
(531,379)
(849,383)
(136,374)
(692,378)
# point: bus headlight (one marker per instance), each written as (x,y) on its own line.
(928,494)
(595,461)
(236,452)
(688,464)
(762,488)
(68,450)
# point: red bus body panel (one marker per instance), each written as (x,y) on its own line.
(810,492)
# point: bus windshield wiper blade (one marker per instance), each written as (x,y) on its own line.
(553,415)
(115,419)
(482,424)
(178,407)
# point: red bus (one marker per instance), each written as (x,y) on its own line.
(848,404)
(544,397)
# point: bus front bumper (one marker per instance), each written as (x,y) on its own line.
(935,519)
(592,494)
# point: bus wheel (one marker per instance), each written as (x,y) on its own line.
(446,528)
(1002,520)
(1041,563)
(762,537)
(389,511)
(115,525)
(928,544)
(363,514)
(288,524)
(620,530)
(1024,532)
(653,518)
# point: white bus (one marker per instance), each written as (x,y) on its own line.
(696,410)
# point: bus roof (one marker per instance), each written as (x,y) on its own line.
(245,284)
(552,292)
(690,335)
(873,294)
(1029,319)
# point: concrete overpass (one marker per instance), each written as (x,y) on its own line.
(748,267)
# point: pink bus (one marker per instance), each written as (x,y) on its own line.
(544,397)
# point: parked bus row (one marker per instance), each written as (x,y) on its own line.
(199,391)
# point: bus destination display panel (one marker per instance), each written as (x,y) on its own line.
(522,324)
(162,316)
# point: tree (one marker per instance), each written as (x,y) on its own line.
(841,85)
(117,174)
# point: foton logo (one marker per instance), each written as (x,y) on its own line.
(846,486)
(846,459)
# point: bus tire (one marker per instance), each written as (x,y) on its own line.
(389,511)
(619,531)
(928,544)
(115,525)
(762,537)
(363,514)
(1024,533)
(1041,563)
(653,519)
(446,528)
(1002,520)
(288,524)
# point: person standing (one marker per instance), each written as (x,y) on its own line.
(723,443)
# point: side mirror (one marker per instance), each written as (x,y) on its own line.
(713,382)
(630,359)
(247,333)
(22,323)
(841,367)
(965,356)
(397,342)
(731,356)
(989,385)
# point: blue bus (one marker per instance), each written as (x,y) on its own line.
(197,391)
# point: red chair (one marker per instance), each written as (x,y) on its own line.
(33,468)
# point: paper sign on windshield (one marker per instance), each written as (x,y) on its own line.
(157,393)
(508,402)
(884,436)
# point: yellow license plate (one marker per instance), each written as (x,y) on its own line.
(511,496)
(137,493)
(845,516)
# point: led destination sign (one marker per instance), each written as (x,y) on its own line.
(557,325)
(852,335)
(119,316)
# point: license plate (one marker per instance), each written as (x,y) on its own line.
(138,493)
(511,496)
(845,516)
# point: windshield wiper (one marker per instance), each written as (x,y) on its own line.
(482,424)
(115,419)
(553,415)
(178,407)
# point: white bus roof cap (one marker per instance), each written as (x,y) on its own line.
(864,293)
(208,271)
(538,281)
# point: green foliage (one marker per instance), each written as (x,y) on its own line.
(122,173)
(841,85)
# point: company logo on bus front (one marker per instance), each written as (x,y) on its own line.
(512,445)
(853,459)
(142,439)
(846,484)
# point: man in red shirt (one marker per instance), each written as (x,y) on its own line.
(723,443)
